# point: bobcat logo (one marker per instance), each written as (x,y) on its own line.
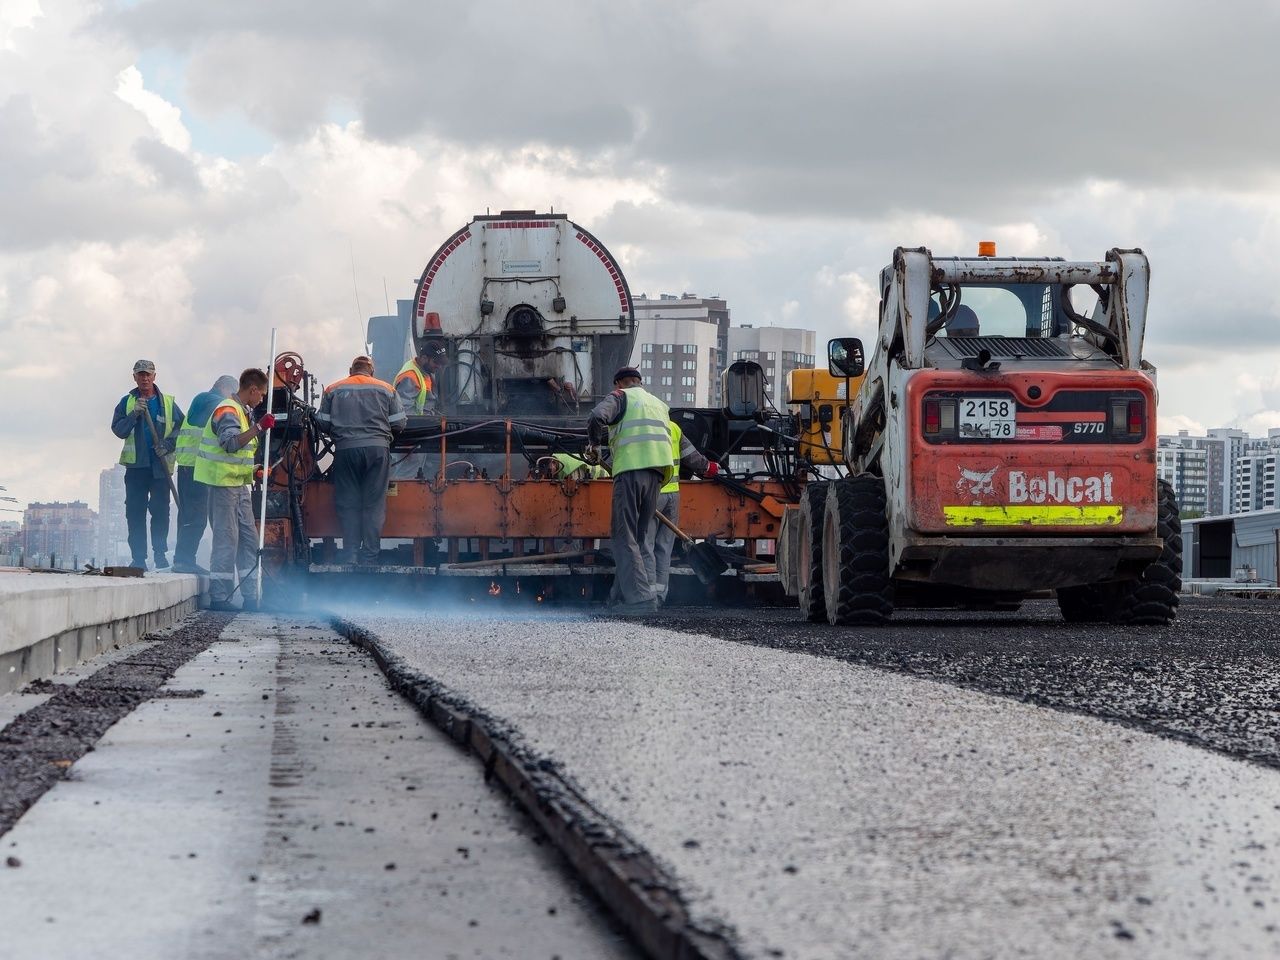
(976,483)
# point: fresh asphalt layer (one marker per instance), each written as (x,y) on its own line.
(815,807)
(1211,678)
(278,800)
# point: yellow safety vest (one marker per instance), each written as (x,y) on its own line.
(673,486)
(214,465)
(569,465)
(641,440)
(129,455)
(423,380)
(189,439)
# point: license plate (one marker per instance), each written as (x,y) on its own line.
(988,418)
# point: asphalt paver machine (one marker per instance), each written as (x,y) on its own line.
(533,315)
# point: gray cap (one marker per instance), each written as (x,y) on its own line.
(144,366)
(226,385)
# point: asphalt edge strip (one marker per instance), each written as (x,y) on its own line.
(41,746)
(643,895)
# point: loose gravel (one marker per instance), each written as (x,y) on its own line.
(39,746)
(1211,678)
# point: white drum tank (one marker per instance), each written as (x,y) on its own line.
(533,310)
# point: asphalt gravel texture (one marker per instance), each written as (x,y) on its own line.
(38,747)
(1211,678)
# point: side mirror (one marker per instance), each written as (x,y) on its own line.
(844,357)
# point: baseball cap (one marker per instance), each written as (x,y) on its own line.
(144,366)
(432,350)
(624,372)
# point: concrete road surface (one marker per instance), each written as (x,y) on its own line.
(296,808)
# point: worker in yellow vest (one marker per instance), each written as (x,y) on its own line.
(416,386)
(147,469)
(661,537)
(567,465)
(634,423)
(193,496)
(415,383)
(224,462)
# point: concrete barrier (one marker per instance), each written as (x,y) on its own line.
(49,622)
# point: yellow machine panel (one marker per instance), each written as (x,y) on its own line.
(818,397)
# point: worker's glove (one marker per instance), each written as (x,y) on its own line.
(164,448)
(713,469)
(138,411)
(591,454)
(266,421)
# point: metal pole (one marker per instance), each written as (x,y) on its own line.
(266,462)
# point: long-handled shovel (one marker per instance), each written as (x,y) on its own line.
(156,445)
(703,557)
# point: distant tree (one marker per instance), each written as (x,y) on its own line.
(1191,514)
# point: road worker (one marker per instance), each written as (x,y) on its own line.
(224,464)
(193,497)
(361,413)
(416,382)
(417,387)
(634,422)
(567,465)
(661,537)
(147,469)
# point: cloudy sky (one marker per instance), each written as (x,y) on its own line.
(176,177)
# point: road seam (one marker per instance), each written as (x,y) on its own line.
(641,893)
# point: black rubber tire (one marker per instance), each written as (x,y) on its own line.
(855,553)
(1152,599)
(813,509)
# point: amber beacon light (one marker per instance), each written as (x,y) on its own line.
(986,248)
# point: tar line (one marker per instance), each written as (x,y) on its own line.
(39,747)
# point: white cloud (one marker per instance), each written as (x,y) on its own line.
(164,117)
(16,15)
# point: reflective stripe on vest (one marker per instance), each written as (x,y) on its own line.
(674,485)
(129,454)
(188,444)
(421,379)
(214,465)
(641,440)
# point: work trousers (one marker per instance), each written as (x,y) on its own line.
(235,543)
(193,515)
(143,492)
(635,498)
(660,542)
(414,466)
(360,493)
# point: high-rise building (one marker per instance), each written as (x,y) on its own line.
(1226,445)
(112,543)
(10,539)
(1186,468)
(1255,474)
(681,342)
(779,350)
(63,530)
